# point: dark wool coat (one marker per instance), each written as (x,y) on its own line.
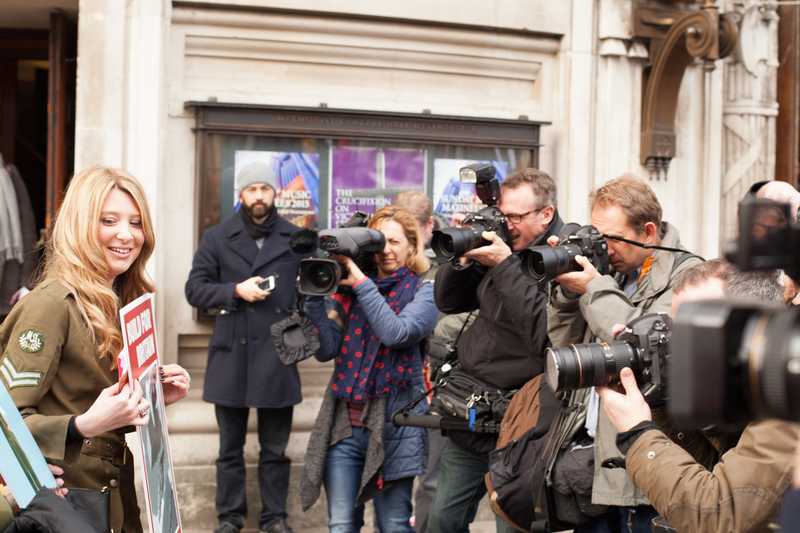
(243,368)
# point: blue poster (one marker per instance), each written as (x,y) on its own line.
(450,196)
(22,464)
(295,177)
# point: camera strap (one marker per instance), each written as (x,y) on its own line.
(406,409)
(646,246)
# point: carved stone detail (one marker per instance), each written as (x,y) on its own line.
(677,39)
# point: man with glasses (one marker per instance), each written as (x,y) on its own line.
(505,344)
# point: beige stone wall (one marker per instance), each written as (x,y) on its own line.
(572,63)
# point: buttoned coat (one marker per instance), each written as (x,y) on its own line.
(243,368)
(50,366)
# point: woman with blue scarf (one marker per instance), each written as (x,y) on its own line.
(374,333)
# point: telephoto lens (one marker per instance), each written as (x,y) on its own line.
(546,262)
(643,346)
(593,364)
(735,361)
(455,242)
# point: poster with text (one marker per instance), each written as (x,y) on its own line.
(141,361)
(295,176)
(366,179)
(22,465)
(450,196)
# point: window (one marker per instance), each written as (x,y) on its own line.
(326,164)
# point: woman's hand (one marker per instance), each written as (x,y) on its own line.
(354,274)
(117,406)
(57,471)
(175,381)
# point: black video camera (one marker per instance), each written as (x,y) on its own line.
(320,275)
(452,243)
(644,347)
(547,262)
(737,361)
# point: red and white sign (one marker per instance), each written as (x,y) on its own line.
(140,360)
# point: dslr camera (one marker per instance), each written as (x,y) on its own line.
(547,262)
(452,243)
(738,361)
(320,274)
(643,346)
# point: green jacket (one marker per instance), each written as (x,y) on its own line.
(574,320)
(6,514)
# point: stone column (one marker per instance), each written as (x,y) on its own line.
(120,111)
(575,172)
(619,92)
(750,109)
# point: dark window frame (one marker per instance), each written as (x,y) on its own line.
(359,125)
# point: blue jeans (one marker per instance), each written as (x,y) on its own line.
(461,487)
(344,465)
(621,520)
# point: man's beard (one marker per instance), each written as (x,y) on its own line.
(257,210)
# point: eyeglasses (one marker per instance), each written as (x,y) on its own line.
(516,218)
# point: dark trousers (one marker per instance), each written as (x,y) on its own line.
(459,492)
(274,426)
(621,520)
(426,488)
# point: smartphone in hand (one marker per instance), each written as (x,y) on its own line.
(268,284)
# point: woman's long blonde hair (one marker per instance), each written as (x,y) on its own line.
(416,262)
(75,257)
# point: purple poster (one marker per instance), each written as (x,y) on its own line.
(365,179)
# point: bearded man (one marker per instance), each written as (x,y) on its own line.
(230,274)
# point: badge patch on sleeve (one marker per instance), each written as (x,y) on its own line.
(31,341)
(14,378)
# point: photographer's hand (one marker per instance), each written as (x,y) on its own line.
(354,274)
(625,410)
(492,254)
(577,282)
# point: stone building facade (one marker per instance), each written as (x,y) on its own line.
(573,66)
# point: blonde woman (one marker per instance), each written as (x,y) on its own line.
(60,343)
(374,337)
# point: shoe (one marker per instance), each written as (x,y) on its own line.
(277,525)
(227,527)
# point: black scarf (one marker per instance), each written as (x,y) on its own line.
(259,230)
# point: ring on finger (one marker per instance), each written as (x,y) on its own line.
(143,411)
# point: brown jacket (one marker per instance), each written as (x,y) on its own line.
(50,366)
(741,494)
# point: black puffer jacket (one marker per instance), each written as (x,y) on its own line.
(505,344)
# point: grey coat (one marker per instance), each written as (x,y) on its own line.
(592,316)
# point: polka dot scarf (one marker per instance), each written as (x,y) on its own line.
(365,368)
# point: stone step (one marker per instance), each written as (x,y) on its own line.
(196,493)
(196,416)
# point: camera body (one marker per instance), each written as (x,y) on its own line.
(319,275)
(452,243)
(644,347)
(738,361)
(547,262)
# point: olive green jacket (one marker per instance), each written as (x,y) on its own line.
(6,513)
(590,317)
(49,364)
